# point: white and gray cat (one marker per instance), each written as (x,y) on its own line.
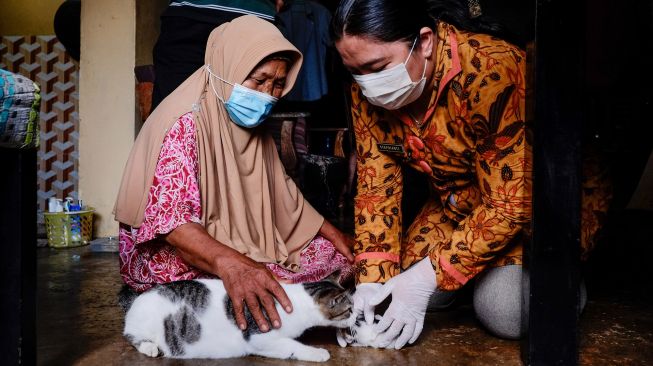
(194,319)
(358,334)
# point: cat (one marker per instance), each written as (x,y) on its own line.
(194,319)
(362,334)
(358,334)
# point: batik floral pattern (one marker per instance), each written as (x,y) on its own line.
(173,200)
(596,199)
(475,151)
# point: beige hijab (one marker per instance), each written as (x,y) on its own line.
(247,200)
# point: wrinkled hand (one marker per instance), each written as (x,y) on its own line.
(248,282)
(365,292)
(404,320)
(343,243)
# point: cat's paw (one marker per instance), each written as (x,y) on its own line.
(149,349)
(313,354)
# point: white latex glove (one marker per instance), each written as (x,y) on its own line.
(404,320)
(364,292)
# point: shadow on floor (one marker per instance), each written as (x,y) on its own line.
(80,323)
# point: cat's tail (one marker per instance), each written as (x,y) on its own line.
(126,297)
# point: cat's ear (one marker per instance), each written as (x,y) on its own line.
(334,278)
(344,337)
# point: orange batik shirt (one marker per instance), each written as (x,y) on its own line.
(475,150)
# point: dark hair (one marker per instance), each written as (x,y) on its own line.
(401,20)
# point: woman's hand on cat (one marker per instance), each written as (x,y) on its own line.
(249,283)
(343,243)
(246,281)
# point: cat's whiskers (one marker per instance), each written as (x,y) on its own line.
(337,315)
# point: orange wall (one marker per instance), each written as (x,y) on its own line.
(27,17)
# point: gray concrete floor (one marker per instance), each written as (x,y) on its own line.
(79,323)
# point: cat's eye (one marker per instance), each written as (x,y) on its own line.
(338,300)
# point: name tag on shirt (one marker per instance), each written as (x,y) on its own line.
(390,148)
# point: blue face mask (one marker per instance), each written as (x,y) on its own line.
(246,107)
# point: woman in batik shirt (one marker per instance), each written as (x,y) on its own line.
(440,91)
(435,93)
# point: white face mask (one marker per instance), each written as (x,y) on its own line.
(392,88)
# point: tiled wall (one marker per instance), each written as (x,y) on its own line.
(44,60)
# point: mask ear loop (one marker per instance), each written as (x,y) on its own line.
(411,52)
(263,95)
(211,76)
(412,48)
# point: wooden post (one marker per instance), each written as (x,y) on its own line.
(552,259)
(18,259)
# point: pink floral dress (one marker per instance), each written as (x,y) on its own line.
(174,200)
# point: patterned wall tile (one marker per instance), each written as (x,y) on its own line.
(44,60)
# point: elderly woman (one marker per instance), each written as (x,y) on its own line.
(204,193)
